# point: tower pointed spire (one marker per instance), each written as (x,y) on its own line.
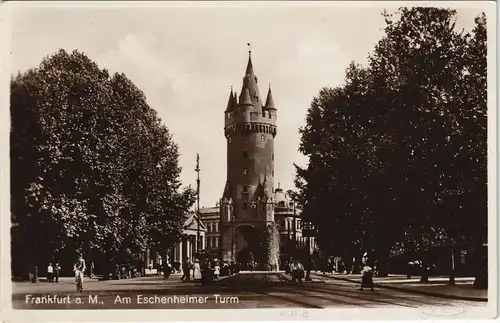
(230,102)
(250,82)
(249,70)
(269,101)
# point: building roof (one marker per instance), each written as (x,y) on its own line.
(205,210)
(250,83)
(269,101)
(191,223)
(230,102)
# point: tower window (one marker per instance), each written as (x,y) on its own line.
(245,171)
(262,138)
(245,206)
(273,173)
(245,154)
(273,157)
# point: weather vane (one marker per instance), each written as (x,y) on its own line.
(249,47)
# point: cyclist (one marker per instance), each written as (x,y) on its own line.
(79,269)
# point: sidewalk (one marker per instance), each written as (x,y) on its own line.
(437,286)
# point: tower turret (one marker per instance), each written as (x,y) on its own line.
(269,100)
(230,102)
(245,97)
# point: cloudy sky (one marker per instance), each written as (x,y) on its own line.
(186,57)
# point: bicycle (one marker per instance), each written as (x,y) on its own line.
(79,281)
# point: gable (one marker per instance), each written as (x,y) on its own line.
(191,223)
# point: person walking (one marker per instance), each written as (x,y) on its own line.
(216,269)
(300,272)
(50,273)
(57,271)
(91,270)
(186,270)
(167,270)
(197,269)
(295,271)
(367,277)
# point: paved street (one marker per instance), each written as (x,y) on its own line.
(249,290)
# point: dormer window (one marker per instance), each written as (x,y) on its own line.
(245,171)
(245,189)
(256,98)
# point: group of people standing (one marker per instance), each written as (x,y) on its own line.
(53,273)
(296,270)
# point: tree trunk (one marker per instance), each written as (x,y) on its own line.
(382,264)
(481,268)
(452,269)
(425,274)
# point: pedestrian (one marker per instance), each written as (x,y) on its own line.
(300,272)
(91,270)
(196,269)
(216,270)
(367,277)
(50,273)
(186,270)
(167,270)
(57,271)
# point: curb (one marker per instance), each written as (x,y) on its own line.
(462,298)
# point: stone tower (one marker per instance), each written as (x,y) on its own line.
(247,206)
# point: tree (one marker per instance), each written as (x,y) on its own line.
(385,149)
(93,169)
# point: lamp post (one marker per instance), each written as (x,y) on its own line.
(309,264)
(232,238)
(198,237)
(294,225)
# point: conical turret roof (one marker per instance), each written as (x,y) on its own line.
(269,101)
(230,102)
(245,97)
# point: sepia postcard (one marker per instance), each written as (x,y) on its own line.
(248,161)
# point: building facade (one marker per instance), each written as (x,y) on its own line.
(186,248)
(294,238)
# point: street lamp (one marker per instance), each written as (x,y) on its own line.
(197,170)
(307,225)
